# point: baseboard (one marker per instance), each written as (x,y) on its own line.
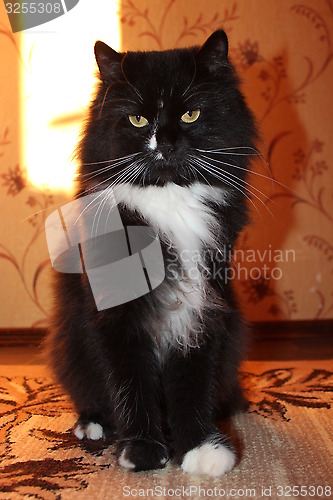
(271,330)
(261,331)
(22,337)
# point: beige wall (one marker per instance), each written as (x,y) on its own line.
(283,50)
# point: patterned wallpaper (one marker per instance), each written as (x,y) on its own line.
(283,266)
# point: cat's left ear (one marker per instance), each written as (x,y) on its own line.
(108,61)
(214,52)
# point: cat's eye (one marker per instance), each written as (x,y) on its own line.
(138,120)
(190,116)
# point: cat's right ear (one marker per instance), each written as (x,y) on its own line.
(108,61)
(214,52)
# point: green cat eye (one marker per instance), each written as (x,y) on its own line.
(190,116)
(138,120)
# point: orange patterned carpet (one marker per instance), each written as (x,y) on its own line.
(284,442)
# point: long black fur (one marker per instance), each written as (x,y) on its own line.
(158,406)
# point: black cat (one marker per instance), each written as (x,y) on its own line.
(170,135)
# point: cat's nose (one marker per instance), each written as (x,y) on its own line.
(166,142)
(166,150)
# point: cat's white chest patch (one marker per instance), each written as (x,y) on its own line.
(182,214)
(184,218)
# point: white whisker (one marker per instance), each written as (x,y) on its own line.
(223,177)
(111,160)
(129,180)
(117,163)
(271,179)
(252,172)
(93,189)
(233,175)
(126,176)
(226,150)
(200,173)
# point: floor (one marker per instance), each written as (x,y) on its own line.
(29,355)
(290,403)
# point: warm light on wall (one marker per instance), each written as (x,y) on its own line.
(57,80)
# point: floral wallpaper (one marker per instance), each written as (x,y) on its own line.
(283,265)
(27,271)
(24,261)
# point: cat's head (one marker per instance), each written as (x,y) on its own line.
(171,116)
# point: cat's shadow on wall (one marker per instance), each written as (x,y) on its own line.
(275,103)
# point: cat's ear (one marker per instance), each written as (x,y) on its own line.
(214,52)
(108,61)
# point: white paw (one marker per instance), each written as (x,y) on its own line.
(91,431)
(124,462)
(209,458)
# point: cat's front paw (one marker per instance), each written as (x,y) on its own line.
(141,454)
(211,458)
(89,430)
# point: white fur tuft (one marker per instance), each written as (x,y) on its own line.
(209,458)
(94,431)
(152,144)
(79,432)
(124,462)
(91,431)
